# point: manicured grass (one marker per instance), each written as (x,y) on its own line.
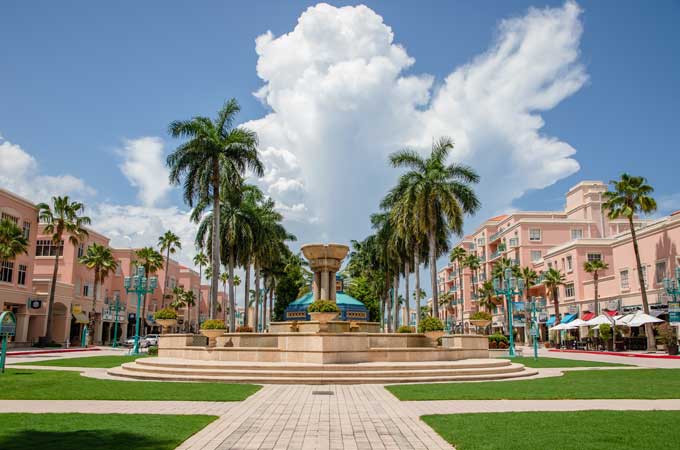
(97,431)
(86,361)
(579,430)
(23,384)
(642,383)
(543,362)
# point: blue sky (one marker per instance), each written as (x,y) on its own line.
(82,82)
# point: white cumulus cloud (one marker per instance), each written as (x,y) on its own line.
(144,167)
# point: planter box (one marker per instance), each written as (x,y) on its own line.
(212,335)
(166,323)
(323,318)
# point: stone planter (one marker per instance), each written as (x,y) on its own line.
(435,335)
(480,323)
(212,335)
(166,323)
(323,318)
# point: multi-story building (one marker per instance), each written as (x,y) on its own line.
(17,291)
(561,239)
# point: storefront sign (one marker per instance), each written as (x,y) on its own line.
(109,316)
(518,316)
(674,312)
(34,303)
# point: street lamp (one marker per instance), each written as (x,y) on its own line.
(116,309)
(673,286)
(141,286)
(508,287)
(536,306)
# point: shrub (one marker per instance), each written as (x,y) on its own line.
(493,344)
(323,306)
(502,345)
(430,324)
(244,329)
(405,329)
(605,331)
(497,338)
(480,315)
(153,351)
(165,313)
(667,334)
(213,324)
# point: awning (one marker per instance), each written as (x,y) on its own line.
(81,317)
(611,313)
(550,321)
(587,316)
(568,318)
(657,312)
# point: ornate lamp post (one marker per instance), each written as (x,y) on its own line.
(141,286)
(536,306)
(509,287)
(116,309)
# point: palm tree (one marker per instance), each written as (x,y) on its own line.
(553,279)
(474,263)
(152,261)
(200,260)
(215,156)
(64,216)
(594,267)
(189,299)
(169,243)
(442,196)
(632,195)
(486,295)
(12,240)
(459,255)
(99,259)
(498,271)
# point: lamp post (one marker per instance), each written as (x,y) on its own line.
(117,308)
(508,287)
(536,305)
(673,288)
(141,286)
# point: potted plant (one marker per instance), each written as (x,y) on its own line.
(667,334)
(166,318)
(323,311)
(244,329)
(480,319)
(212,329)
(432,327)
(405,329)
(606,335)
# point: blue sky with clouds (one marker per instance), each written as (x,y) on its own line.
(87,90)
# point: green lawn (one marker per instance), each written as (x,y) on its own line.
(642,383)
(86,361)
(24,384)
(543,363)
(579,430)
(97,431)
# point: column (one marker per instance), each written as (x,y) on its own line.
(331,281)
(324,294)
(22,328)
(316,285)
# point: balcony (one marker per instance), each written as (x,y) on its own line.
(482,258)
(453,289)
(513,242)
(494,237)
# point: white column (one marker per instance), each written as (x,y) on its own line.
(22,328)
(324,294)
(316,285)
(331,281)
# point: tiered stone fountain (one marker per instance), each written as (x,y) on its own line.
(345,351)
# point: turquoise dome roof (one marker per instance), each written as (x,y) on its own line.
(340,299)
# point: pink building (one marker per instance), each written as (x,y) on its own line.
(16,276)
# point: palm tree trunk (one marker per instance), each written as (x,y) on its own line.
(417,287)
(407,270)
(247,294)
(271,301)
(165,281)
(431,236)
(395,297)
(226,307)
(556,305)
(388,302)
(596,280)
(257,298)
(264,301)
(215,253)
(90,338)
(232,295)
(50,303)
(461,297)
(649,330)
(200,281)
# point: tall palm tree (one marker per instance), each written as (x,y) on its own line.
(62,217)
(152,261)
(553,279)
(632,195)
(486,295)
(100,260)
(12,240)
(189,299)
(459,255)
(216,155)
(443,196)
(595,267)
(200,260)
(474,263)
(169,243)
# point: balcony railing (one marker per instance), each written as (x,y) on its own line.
(496,235)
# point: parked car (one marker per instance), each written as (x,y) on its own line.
(150,340)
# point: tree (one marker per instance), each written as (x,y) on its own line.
(62,217)
(178,302)
(215,156)
(100,260)
(442,196)
(530,277)
(12,240)
(632,195)
(595,267)
(498,271)
(169,243)
(486,295)
(152,261)
(553,279)
(474,263)
(200,260)
(189,299)
(459,256)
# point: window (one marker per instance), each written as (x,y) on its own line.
(549,265)
(45,247)
(624,279)
(570,265)
(514,242)
(86,290)
(81,250)
(6,271)
(569,290)
(10,217)
(27,229)
(644,276)
(576,233)
(21,275)
(535,234)
(660,271)
(594,257)
(535,255)
(480,241)
(119,268)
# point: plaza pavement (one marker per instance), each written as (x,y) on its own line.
(301,417)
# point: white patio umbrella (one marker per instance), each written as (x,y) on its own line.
(577,323)
(601,319)
(560,327)
(637,319)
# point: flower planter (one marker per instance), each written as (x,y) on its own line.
(480,323)
(435,335)
(166,324)
(212,335)
(323,318)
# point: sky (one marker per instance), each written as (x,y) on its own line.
(537,96)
